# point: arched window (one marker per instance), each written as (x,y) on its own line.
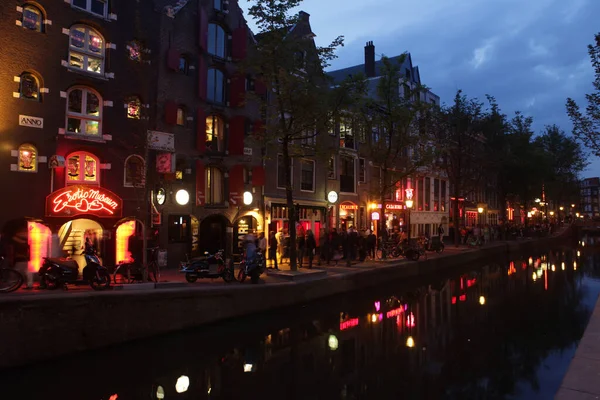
(134,107)
(32,18)
(86,49)
(84,112)
(97,7)
(215,133)
(184,64)
(214,186)
(180,116)
(215,86)
(135,171)
(29,86)
(217,45)
(83,167)
(27,161)
(135,51)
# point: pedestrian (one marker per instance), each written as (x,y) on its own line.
(279,239)
(311,246)
(273,245)
(351,244)
(371,244)
(323,245)
(300,247)
(441,232)
(262,243)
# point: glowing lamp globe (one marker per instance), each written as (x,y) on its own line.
(182,384)
(409,203)
(182,197)
(248,198)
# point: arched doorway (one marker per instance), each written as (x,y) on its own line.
(243,226)
(213,233)
(129,239)
(72,237)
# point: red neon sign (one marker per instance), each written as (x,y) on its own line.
(79,199)
(351,323)
(394,313)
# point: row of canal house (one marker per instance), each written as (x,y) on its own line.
(114,111)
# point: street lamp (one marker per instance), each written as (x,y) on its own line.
(409,204)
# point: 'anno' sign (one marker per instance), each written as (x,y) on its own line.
(87,200)
(32,122)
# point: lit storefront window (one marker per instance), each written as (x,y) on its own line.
(27,158)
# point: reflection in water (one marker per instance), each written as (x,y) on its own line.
(491,332)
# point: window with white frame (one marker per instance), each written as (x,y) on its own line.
(82,167)
(29,86)
(84,112)
(309,137)
(217,42)
(135,171)
(215,187)
(307,181)
(331,171)
(362,170)
(86,49)
(346,134)
(281,172)
(97,7)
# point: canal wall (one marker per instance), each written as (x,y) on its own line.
(45,326)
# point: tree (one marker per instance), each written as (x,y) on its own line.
(394,124)
(300,99)
(586,127)
(460,143)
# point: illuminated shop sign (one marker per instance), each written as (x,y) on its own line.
(79,199)
(351,323)
(348,207)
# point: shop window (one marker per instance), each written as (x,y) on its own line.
(86,50)
(215,132)
(179,228)
(217,45)
(84,112)
(32,18)
(216,86)
(307,182)
(331,173)
(184,65)
(29,86)
(347,175)
(135,51)
(27,161)
(214,186)
(281,172)
(134,107)
(97,7)
(83,168)
(135,171)
(180,116)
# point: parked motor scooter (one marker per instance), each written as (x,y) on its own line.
(60,272)
(210,266)
(253,268)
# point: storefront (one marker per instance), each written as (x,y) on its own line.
(242,227)
(310,216)
(348,215)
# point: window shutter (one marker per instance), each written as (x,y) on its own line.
(202,77)
(201,130)
(200,183)
(236,136)
(240,43)
(259,87)
(236,184)
(171,112)
(173,59)
(237,89)
(203,29)
(258,176)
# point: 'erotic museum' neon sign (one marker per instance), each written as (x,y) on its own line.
(75,200)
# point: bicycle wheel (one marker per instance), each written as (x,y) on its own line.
(120,275)
(10,280)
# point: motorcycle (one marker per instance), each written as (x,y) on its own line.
(254,268)
(56,272)
(209,266)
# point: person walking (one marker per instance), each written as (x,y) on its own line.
(371,244)
(323,246)
(262,243)
(279,239)
(300,247)
(273,245)
(441,232)
(351,244)
(311,245)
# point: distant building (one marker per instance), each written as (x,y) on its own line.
(590,196)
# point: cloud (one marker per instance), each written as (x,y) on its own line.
(482,54)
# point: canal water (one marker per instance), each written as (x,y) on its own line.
(504,329)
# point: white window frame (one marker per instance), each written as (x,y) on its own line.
(364,170)
(85,52)
(84,117)
(88,8)
(291,172)
(130,184)
(314,164)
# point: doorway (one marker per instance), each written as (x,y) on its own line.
(213,233)
(73,234)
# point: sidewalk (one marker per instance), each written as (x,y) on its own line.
(582,381)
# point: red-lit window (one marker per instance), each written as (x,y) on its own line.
(82,168)
(27,161)
(134,107)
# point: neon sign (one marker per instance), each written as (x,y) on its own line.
(79,199)
(409,193)
(351,323)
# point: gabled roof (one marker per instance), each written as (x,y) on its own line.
(341,74)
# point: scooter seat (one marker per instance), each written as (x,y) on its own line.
(65,262)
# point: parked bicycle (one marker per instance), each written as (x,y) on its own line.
(130,272)
(10,279)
